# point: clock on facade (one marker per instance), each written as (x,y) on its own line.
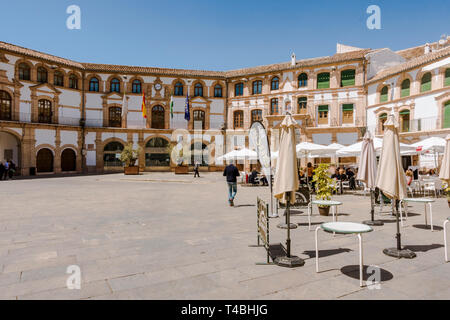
(158,86)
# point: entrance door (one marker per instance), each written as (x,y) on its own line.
(68,160)
(44,161)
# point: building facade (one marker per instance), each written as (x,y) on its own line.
(58,115)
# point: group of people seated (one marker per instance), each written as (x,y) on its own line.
(342,174)
(253,178)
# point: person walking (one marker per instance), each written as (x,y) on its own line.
(12,169)
(5,174)
(231,172)
(196,170)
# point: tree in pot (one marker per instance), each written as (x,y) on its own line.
(177,156)
(129,157)
(324,186)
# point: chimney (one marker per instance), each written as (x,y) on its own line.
(293,61)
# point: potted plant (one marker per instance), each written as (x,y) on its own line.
(129,157)
(178,158)
(324,186)
(447,191)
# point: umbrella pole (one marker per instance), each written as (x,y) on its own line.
(289,260)
(398,252)
(372,221)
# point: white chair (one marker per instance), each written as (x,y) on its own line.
(438,186)
(365,189)
(429,187)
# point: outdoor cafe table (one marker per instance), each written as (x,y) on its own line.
(426,201)
(345,228)
(331,203)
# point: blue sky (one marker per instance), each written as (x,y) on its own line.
(216,34)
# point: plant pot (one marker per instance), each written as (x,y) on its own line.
(132,170)
(324,211)
(181,170)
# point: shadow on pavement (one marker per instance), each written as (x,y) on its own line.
(352,271)
(424,248)
(325,253)
(427,227)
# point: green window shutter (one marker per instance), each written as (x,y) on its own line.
(383,116)
(384,94)
(347,78)
(404,112)
(405,88)
(446,115)
(323,108)
(323,80)
(447,78)
(347,107)
(426,83)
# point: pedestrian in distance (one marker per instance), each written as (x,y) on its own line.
(196,170)
(2,170)
(231,172)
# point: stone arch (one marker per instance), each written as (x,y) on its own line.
(110,78)
(129,84)
(68,159)
(14,144)
(192,88)
(398,85)
(213,85)
(30,65)
(101,84)
(45,158)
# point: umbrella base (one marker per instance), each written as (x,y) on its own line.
(285,226)
(374,223)
(403,253)
(289,262)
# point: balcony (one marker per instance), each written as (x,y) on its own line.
(415,125)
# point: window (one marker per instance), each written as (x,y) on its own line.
(115,85)
(382,120)
(198,90)
(93,85)
(446,115)
(157,153)
(218,91)
(302,103)
(24,71)
(42,75)
(136,86)
(257,87)
(275,83)
(404,120)
(238,117)
(302,80)
(239,89)
(45,112)
(5,106)
(323,114)
(111,154)
(199,154)
(425,84)
(347,78)
(199,116)
(405,90)
(384,94)
(178,89)
(73,82)
(274,106)
(115,117)
(58,79)
(257,116)
(323,80)
(158,121)
(447,78)
(347,113)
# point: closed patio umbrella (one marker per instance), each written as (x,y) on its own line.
(286,183)
(391,179)
(444,173)
(367,172)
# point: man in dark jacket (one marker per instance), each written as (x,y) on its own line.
(231,172)
(2,170)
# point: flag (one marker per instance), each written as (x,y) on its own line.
(144,109)
(187,115)
(171,107)
(124,104)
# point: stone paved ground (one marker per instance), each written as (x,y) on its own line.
(161,236)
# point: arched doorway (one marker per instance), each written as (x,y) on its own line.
(10,149)
(44,160)
(157,153)
(199,153)
(111,155)
(68,160)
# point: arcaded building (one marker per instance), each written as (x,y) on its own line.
(59,115)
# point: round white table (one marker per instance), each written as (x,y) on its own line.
(426,201)
(345,228)
(330,203)
(445,239)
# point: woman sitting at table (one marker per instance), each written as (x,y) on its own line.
(409,177)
